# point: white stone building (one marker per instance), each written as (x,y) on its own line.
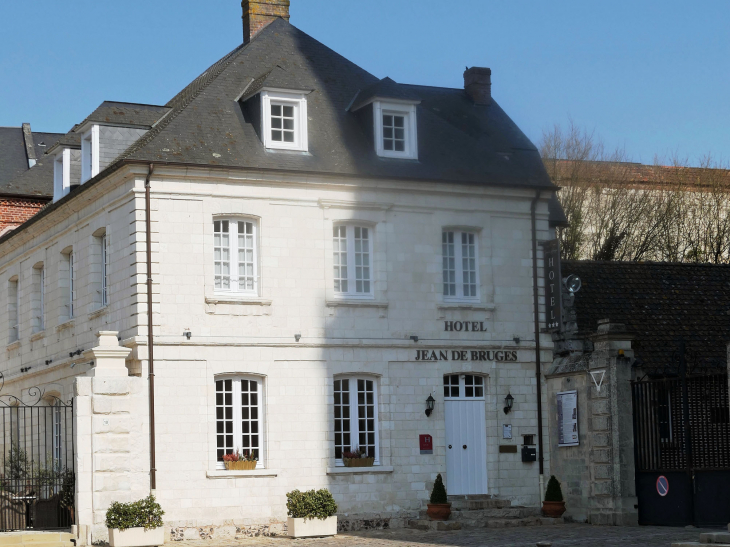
(328,250)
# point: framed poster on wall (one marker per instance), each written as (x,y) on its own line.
(568,418)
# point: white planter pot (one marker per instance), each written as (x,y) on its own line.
(136,537)
(300,528)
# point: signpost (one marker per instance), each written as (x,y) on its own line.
(553,282)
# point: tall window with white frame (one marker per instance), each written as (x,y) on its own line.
(58,415)
(13,309)
(460,273)
(239,418)
(352,246)
(38,298)
(356,416)
(71,284)
(235,255)
(103,242)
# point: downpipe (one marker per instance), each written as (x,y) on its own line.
(538,364)
(150,342)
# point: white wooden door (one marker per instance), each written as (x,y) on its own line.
(466,435)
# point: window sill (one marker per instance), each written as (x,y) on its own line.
(98,313)
(65,325)
(246,300)
(225,474)
(13,345)
(356,303)
(38,335)
(374,470)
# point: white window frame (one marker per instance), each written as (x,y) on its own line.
(296,100)
(90,154)
(351,258)
(237,408)
(42,299)
(354,418)
(71,272)
(408,111)
(104,259)
(463,385)
(233,258)
(62,174)
(14,315)
(458,266)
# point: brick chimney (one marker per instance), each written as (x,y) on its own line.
(478,84)
(257,14)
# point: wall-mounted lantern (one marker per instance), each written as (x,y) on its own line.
(429,404)
(508,402)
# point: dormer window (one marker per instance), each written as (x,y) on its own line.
(395,130)
(90,154)
(284,120)
(62,174)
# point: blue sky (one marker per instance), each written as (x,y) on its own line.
(649,76)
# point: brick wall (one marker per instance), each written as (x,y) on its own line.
(15,211)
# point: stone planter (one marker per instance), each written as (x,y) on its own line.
(240,466)
(438,511)
(301,528)
(136,537)
(358,462)
(553,509)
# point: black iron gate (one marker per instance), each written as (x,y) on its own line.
(682,449)
(37,475)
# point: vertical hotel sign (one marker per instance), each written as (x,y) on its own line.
(553,282)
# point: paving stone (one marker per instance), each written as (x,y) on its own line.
(567,535)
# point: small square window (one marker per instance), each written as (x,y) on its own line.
(284,121)
(395,130)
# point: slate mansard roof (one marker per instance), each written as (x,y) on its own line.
(14,163)
(660,303)
(458,141)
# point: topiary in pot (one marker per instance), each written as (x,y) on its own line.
(554,505)
(439,508)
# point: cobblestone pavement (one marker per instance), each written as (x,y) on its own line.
(560,536)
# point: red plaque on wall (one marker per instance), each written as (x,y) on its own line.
(426,443)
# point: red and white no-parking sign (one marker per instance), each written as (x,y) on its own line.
(662,486)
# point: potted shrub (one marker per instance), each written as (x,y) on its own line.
(439,508)
(136,524)
(357,458)
(554,505)
(240,461)
(311,514)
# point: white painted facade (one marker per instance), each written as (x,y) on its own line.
(295,336)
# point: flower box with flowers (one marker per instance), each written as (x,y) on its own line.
(357,458)
(236,461)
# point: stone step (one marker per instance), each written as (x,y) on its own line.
(476,505)
(498,513)
(697,544)
(36,539)
(425,524)
(470,497)
(439,525)
(715,537)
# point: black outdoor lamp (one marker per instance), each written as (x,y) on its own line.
(429,404)
(508,401)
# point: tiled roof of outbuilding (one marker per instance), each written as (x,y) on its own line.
(659,303)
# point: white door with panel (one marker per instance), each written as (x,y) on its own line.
(466,434)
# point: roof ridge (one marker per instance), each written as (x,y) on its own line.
(179,102)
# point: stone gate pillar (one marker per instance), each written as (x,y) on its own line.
(611,458)
(108,432)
